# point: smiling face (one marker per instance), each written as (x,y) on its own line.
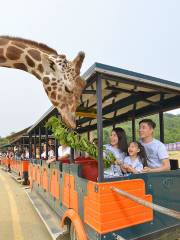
(145,131)
(133,149)
(64,86)
(114,139)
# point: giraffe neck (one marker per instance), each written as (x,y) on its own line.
(23,56)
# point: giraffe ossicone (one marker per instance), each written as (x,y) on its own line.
(60,77)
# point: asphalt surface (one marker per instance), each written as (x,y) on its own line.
(18,218)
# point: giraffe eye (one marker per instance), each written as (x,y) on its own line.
(51,64)
(67,90)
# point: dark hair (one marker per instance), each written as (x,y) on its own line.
(150,122)
(122,139)
(142,153)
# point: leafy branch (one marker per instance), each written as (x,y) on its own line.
(74,140)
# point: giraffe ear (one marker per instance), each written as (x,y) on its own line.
(78,61)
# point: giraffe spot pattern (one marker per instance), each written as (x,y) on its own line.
(36,74)
(3,41)
(30,62)
(21,66)
(13,53)
(20,45)
(49,89)
(35,54)
(53,95)
(2,59)
(62,106)
(1,51)
(46,80)
(55,103)
(40,68)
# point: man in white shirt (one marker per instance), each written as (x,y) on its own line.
(158,159)
(63,152)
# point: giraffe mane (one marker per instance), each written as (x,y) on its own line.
(42,46)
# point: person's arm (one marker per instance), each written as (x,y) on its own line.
(50,160)
(164,167)
(63,157)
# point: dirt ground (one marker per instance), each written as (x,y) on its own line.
(18,218)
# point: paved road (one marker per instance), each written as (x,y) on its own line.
(18,218)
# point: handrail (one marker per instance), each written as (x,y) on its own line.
(145,203)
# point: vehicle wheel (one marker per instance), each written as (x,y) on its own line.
(73,234)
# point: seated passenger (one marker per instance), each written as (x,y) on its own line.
(158,159)
(63,153)
(51,152)
(118,146)
(137,159)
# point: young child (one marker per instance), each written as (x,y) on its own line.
(137,159)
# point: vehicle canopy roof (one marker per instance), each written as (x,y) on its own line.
(124,94)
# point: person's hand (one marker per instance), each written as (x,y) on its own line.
(146,169)
(117,162)
(129,168)
(125,166)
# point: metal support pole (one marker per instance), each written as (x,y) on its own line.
(35,143)
(99,128)
(46,143)
(134,123)
(161,120)
(30,145)
(40,150)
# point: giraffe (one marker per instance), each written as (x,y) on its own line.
(60,77)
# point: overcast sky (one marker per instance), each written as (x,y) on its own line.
(142,36)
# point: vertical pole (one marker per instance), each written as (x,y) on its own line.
(99,128)
(46,143)
(56,149)
(56,144)
(72,155)
(161,119)
(161,126)
(40,150)
(134,123)
(23,147)
(35,143)
(30,145)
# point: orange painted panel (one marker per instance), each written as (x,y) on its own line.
(45,179)
(34,172)
(30,173)
(54,184)
(25,165)
(70,196)
(38,175)
(105,210)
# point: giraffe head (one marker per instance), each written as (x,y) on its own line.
(64,85)
(61,78)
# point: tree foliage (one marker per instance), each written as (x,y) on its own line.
(171,128)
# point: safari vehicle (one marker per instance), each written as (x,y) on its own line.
(139,206)
(17,165)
